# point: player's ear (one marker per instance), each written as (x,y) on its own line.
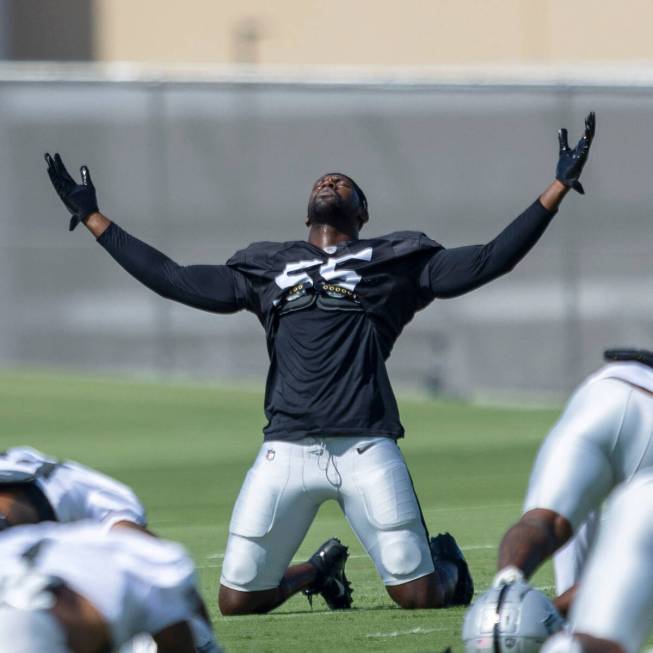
(307,222)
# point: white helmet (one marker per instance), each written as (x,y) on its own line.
(512,618)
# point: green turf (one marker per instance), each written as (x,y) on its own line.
(185,449)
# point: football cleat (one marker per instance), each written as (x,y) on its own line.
(331,582)
(444,548)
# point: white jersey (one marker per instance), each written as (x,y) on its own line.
(137,582)
(604,437)
(74,491)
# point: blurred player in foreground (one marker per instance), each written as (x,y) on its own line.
(604,436)
(332,308)
(76,588)
(613,610)
(35,487)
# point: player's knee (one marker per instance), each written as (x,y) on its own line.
(232,602)
(420,594)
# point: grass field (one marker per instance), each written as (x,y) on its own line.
(185,449)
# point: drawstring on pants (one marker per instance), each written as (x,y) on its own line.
(330,463)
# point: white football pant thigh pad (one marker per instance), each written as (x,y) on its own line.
(576,466)
(270,519)
(31,631)
(379,502)
(569,561)
(615,599)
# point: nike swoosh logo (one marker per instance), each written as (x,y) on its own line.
(363,449)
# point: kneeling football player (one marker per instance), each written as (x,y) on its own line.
(73,588)
(332,307)
(604,436)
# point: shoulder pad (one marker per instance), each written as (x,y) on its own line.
(263,249)
(265,256)
(407,242)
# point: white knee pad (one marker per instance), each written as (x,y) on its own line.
(244,561)
(401,552)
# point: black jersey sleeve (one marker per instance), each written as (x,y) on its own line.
(214,288)
(455,271)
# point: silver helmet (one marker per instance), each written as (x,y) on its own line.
(513,618)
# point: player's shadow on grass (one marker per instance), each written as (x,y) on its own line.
(323,611)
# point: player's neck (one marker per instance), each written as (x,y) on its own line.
(326,235)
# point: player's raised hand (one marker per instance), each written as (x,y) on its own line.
(79,199)
(571,162)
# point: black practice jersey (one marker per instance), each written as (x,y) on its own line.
(331,317)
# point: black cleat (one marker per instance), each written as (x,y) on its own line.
(331,582)
(445,548)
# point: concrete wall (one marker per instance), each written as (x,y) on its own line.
(412,32)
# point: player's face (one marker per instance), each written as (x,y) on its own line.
(334,195)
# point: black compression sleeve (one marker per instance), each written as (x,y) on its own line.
(215,288)
(453,272)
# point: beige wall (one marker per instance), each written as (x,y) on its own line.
(409,32)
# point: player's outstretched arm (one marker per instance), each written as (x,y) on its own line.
(215,288)
(453,272)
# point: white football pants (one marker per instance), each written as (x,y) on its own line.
(615,599)
(287,484)
(603,438)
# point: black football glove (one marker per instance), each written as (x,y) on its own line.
(79,199)
(571,162)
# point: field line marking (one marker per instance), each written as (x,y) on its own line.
(400,633)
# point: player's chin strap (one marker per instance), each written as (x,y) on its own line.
(4,522)
(497,622)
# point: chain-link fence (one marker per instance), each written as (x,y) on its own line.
(201,169)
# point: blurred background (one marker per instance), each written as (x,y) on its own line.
(205,123)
